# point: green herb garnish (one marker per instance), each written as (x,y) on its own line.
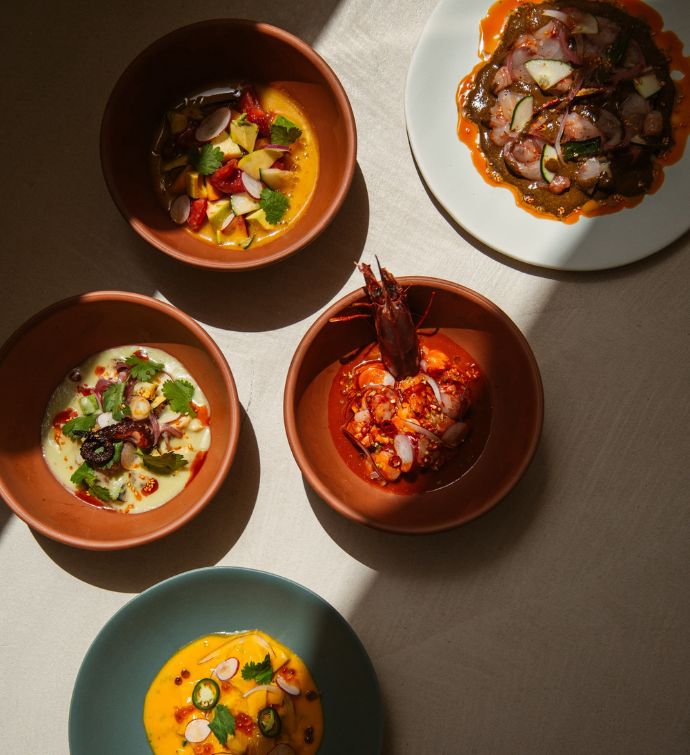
(143,369)
(261,672)
(284,131)
(114,401)
(165,463)
(116,455)
(85,475)
(206,160)
(274,204)
(584,148)
(79,425)
(223,724)
(179,394)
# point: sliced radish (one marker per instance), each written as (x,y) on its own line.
(547,73)
(291,689)
(548,155)
(227,669)
(179,209)
(261,688)
(252,186)
(227,221)
(213,125)
(197,730)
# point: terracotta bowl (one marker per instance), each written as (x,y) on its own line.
(513,399)
(37,357)
(193,58)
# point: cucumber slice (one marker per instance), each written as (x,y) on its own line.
(588,24)
(242,203)
(583,148)
(522,113)
(647,85)
(547,73)
(247,242)
(547,155)
(275,178)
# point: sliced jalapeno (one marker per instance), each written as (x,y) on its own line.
(205,695)
(269,722)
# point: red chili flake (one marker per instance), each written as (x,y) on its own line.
(244,723)
(151,486)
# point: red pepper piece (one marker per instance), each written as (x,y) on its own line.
(250,105)
(197,214)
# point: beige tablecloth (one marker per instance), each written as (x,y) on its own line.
(557,623)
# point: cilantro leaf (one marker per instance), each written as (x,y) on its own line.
(84,473)
(165,463)
(79,425)
(223,724)
(179,394)
(284,131)
(143,369)
(207,159)
(98,491)
(114,401)
(274,204)
(261,672)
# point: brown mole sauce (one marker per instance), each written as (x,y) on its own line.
(497,32)
(478,418)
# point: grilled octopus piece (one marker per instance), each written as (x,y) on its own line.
(98,447)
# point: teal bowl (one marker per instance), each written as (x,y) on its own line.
(108,698)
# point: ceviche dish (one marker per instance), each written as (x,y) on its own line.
(238,694)
(236,165)
(127,429)
(408,405)
(576,110)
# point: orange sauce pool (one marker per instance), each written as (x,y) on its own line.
(490,28)
(478,417)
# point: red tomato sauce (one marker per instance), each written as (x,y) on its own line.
(478,417)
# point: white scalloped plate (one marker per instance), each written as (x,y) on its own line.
(446,52)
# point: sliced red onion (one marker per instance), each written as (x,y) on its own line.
(213,125)
(434,387)
(277,147)
(105,419)
(261,688)
(179,209)
(166,427)
(417,428)
(455,434)
(569,53)
(101,386)
(375,472)
(197,730)
(403,448)
(564,18)
(559,136)
(227,669)
(252,186)
(291,689)
(129,459)
(155,427)
(227,221)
